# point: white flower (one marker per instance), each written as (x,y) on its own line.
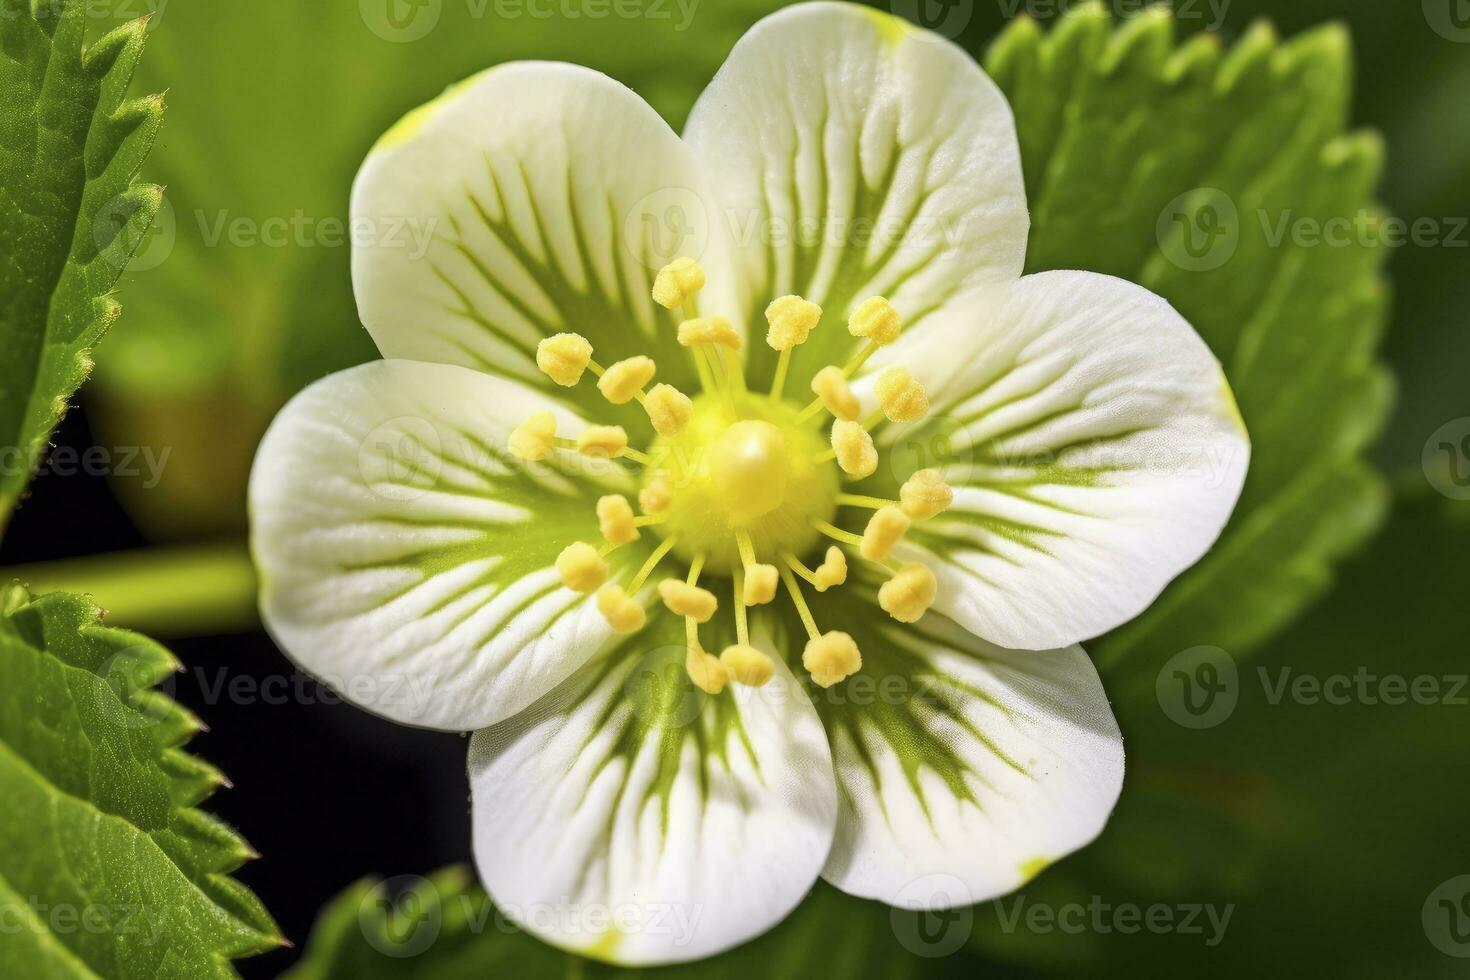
(671,748)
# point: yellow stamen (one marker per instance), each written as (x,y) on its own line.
(747,665)
(831,658)
(885,530)
(837,534)
(677,283)
(714,330)
(603,441)
(624,380)
(666,546)
(564,357)
(909,594)
(832,391)
(668,409)
(925,495)
(858,500)
(759,580)
(688,600)
(705,670)
(832,571)
(535,438)
(791,320)
(877,320)
(742,626)
(622,612)
(581,567)
(760,584)
(853,449)
(615,519)
(903,399)
(656,496)
(799,601)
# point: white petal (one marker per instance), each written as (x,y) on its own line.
(963,768)
(405,557)
(532,199)
(854,154)
(631,818)
(1094,445)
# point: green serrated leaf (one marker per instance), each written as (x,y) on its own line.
(104,861)
(71,146)
(1190,169)
(445,928)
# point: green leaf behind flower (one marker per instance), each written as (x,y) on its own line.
(1202,172)
(71,212)
(105,862)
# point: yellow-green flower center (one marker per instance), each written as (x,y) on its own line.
(744,484)
(753,472)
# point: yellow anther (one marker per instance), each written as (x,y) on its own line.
(615,519)
(706,671)
(564,357)
(581,568)
(657,495)
(602,441)
(876,319)
(688,600)
(925,495)
(535,438)
(832,571)
(885,530)
(831,657)
(830,385)
(622,381)
(854,448)
(791,320)
(909,594)
(747,665)
(903,399)
(622,612)
(709,330)
(677,282)
(760,584)
(668,409)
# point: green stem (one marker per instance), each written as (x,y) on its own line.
(190,590)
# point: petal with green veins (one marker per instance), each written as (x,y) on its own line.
(407,559)
(959,762)
(629,817)
(1093,444)
(532,199)
(854,154)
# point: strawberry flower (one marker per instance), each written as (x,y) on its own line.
(737,490)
